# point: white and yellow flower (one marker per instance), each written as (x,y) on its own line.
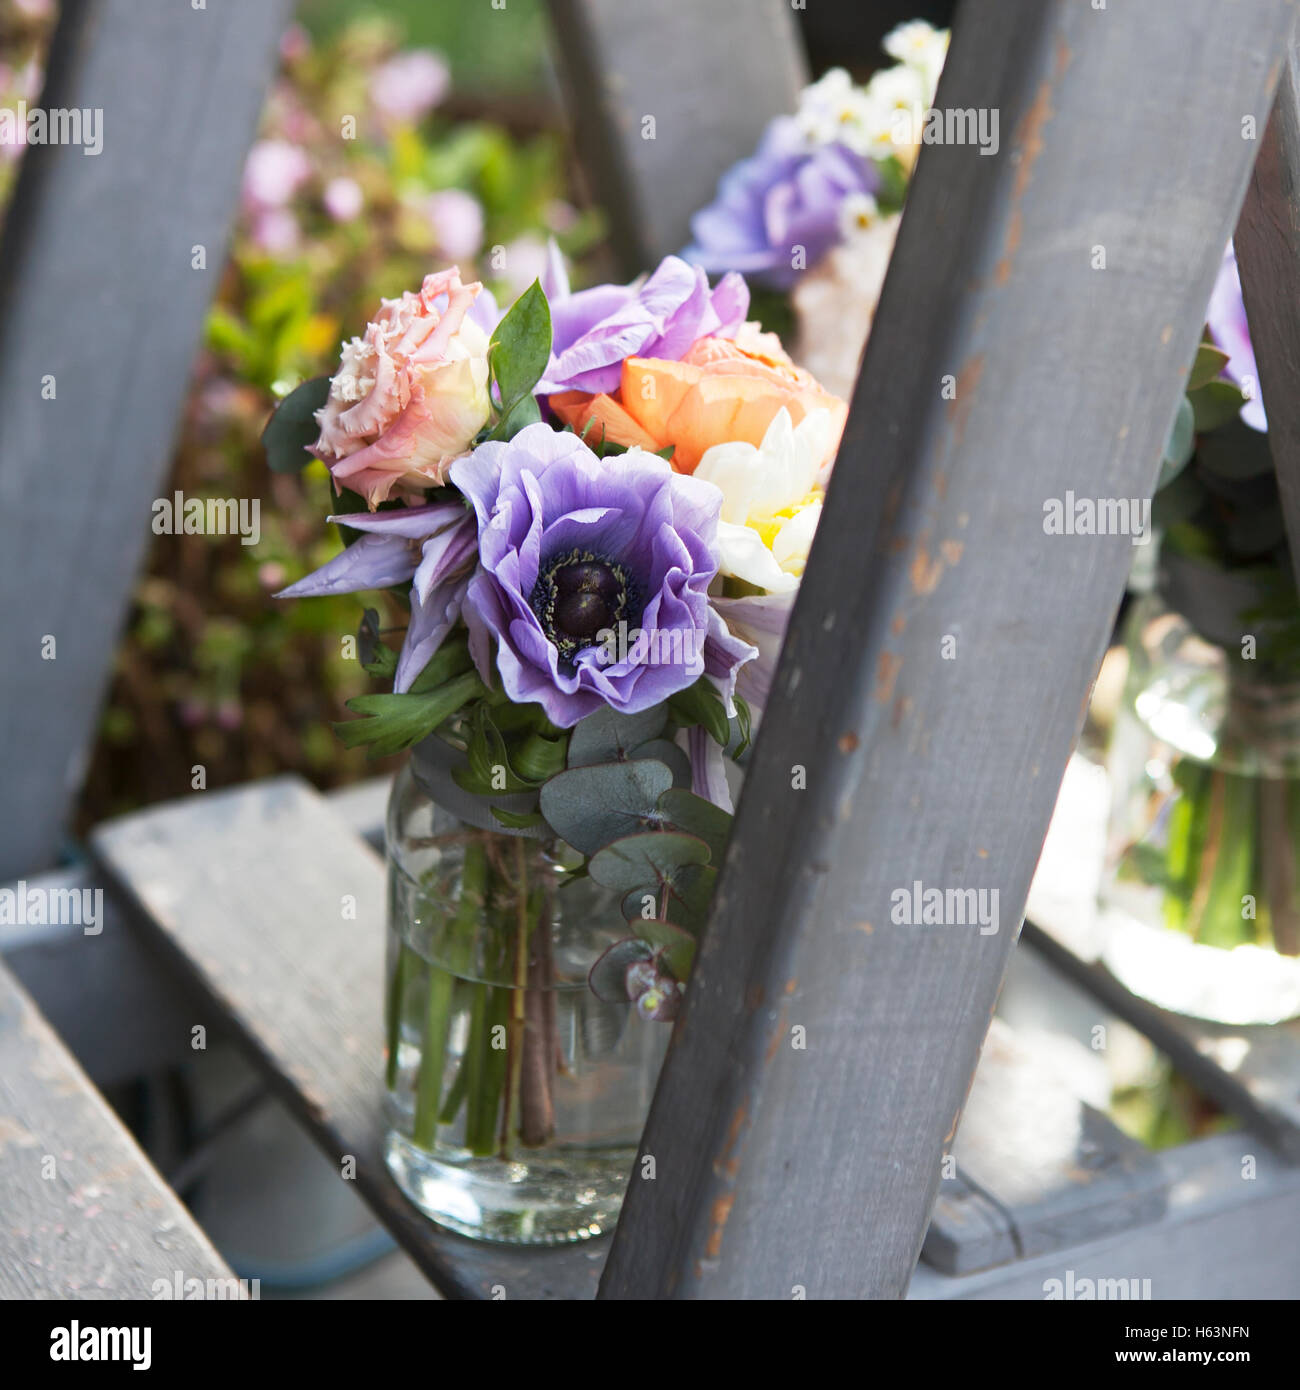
(772,499)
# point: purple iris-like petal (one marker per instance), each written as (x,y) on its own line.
(708,768)
(373,562)
(412,522)
(432,618)
(445,554)
(787,195)
(545,497)
(761,620)
(1226,317)
(595,330)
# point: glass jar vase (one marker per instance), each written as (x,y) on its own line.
(1200,897)
(515,1097)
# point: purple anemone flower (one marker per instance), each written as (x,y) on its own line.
(788,194)
(593,576)
(594,330)
(1226,318)
(432,546)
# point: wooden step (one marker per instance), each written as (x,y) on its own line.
(83,1213)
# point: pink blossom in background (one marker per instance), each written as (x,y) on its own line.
(276,230)
(526,260)
(34,9)
(295,43)
(407,87)
(273,173)
(343,199)
(457,221)
(561,216)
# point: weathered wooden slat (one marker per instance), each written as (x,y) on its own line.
(82,1212)
(100,304)
(252,890)
(1036,1169)
(1232,1231)
(1268,256)
(114,1005)
(664,97)
(824,1051)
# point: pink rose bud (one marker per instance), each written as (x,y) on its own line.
(409,395)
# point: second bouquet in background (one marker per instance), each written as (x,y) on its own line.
(587,518)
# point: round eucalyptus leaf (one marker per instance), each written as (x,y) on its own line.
(685,811)
(667,752)
(608,977)
(591,806)
(650,857)
(608,736)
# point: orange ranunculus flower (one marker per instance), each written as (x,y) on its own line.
(721,391)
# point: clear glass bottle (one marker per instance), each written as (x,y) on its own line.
(515,1097)
(1200,898)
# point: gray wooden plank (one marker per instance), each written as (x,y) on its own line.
(84,1213)
(1036,1168)
(879,763)
(710,75)
(1253,1072)
(1268,256)
(1232,1231)
(247,890)
(99,294)
(116,1007)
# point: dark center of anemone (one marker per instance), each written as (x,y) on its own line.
(578,595)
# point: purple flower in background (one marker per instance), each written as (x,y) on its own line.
(595,329)
(408,86)
(432,546)
(1226,318)
(787,195)
(573,547)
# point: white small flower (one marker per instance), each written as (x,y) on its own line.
(921,47)
(858,213)
(772,499)
(898,102)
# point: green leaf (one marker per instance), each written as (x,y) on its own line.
(590,806)
(1179,501)
(536,758)
(376,659)
(293,426)
(1216,404)
(649,857)
(394,722)
(683,810)
(701,704)
(1209,364)
(1235,452)
(451,659)
(608,736)
(665,751)
(744,731)
(674,947)
(518,354)
(1181,444)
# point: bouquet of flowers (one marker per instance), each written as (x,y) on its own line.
(814,212)
(1205,836)
(589,515)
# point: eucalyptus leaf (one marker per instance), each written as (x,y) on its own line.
(675,947)
(608,976)
(1181,444)
(590,806)
(293,426)
(1179,501)
(1215,404)
(664,750)
(649,857)
(683,810)
(608,736)
(1209,364)
(1235,452)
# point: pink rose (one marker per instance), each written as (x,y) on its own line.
(410,395)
